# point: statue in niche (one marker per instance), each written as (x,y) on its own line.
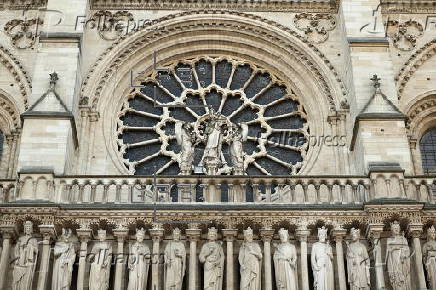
(26,254)
(358,263)
(429,255)
(250,261)
(322,262)
(175,262)
(212,256)
(238,135)
(101,255)
(285,263)
(138,263)
(185,138)
(65,256)
(398,259)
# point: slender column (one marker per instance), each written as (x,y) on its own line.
(84,237)
(121,234)
(267,235)
(193,236)
(302,234)
(8,233)
(339,235)
(156,235)
(229,236)
(374,231)
(415,231)
(47,232)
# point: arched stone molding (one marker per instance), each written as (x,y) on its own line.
(276,48)
(422,117)
(416,60)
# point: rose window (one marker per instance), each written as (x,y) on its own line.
(212,115)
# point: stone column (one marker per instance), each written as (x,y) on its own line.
(374,232)
(121,235)
(229,236)
(267,235)
(47,232)
(156,235)
(415,231)
(8,233)
(193,235)
(84,237)
(302,234)
(339,235)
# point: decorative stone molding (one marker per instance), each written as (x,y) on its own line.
(23,33)
(22,4)
(110,26)
(405,35)
(245,5)
(316,27)
(416,60)
(136,40)
(407,6)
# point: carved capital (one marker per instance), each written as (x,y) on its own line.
(8,231)
(84,235)
(230,234)
(47,232)
(156,234)
(374,231)
(339,234)
(121,234)
(267,234)
(415,230)
(302,234)
(193,234)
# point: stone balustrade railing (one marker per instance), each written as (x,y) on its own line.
(215,189)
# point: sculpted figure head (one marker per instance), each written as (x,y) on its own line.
(66,234)
(28,228)
(431,233)
(322,234)
(101,235)
(140,234)
(395,228)
(355,234)
(248,235)
(176,234)
(284,235)
(212,234)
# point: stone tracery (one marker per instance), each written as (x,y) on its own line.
(227,115)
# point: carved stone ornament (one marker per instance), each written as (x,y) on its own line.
(405,35)
(23,33)
(315,26)
(111,26)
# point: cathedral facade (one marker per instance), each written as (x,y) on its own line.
(218,144)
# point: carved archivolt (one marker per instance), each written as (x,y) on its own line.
(126,46)
(421,116)
(14,66)
(416,60)
(110,26)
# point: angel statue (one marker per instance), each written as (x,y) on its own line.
(185,138)
(239,134)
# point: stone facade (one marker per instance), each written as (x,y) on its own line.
(146,126)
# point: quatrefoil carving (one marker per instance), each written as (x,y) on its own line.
(23,33)
(404,35)
(315,26)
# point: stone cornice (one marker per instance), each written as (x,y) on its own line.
(408,6)
(22,4)
(326,6)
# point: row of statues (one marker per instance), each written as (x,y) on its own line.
(212,256)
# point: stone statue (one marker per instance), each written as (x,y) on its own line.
(250,260)
(175,262)
(185,138)
(429,256)
(139,261)
(322,262)
(212,256)
(398,259)
(101,255)
(213,131)
(285,263)
(65,256)
(358,263)
(26,254)
(239,135)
